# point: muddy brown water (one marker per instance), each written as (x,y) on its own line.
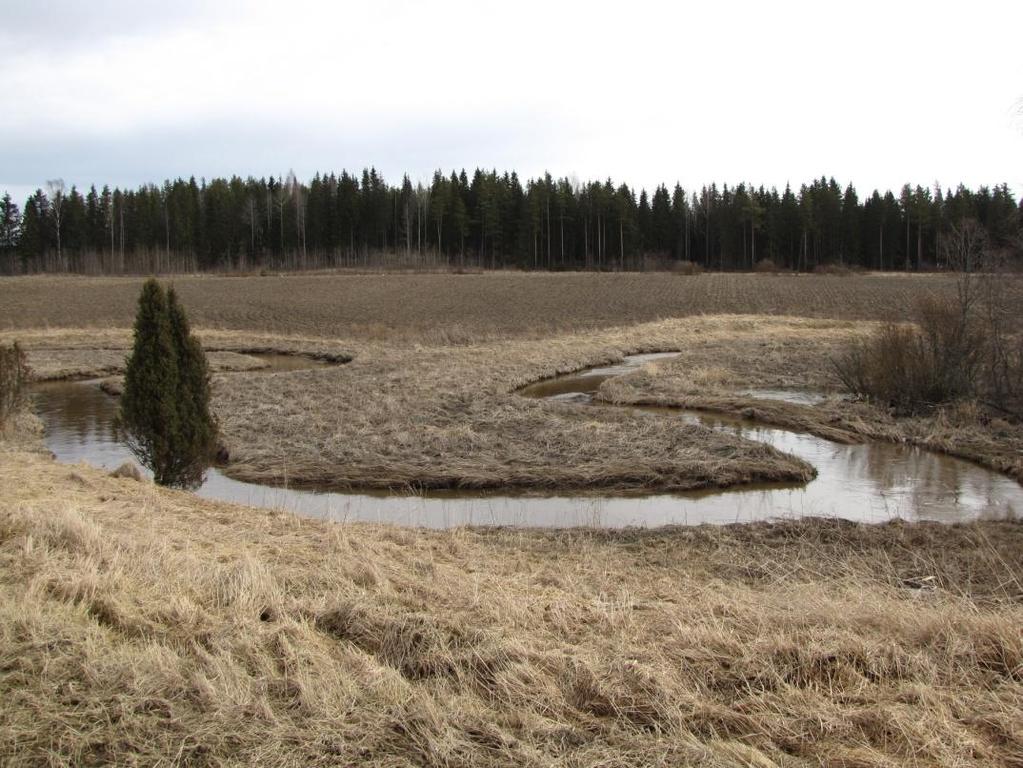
(872,482)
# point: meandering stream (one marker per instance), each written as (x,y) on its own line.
(870,482)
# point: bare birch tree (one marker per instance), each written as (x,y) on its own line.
(55,191)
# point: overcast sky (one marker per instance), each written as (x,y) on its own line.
(877,93)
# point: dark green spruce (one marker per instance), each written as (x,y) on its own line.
(165,413)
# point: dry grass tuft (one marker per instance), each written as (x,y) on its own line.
(14,376)
(766,266)
(129,470)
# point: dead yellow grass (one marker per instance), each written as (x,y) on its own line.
(442,416)
(142,626)
(23,431)
(74,353)
(86,362)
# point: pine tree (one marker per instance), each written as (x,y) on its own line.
(165,406)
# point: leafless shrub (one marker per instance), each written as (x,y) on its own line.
(657,261)
(13,380)
(963,346)
(999,309)
(766,266)
(686,268)
(984,294)
(842,270)
(912,370)
(865,367)
(965,247)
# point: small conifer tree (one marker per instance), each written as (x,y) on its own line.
(165,406)
(198,428)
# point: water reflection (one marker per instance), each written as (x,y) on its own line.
(577,386)
(784,395)
(878,481)
(80,423)
(872,482)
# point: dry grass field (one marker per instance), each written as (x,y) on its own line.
(149,627)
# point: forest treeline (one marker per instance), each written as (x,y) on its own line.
(489,221)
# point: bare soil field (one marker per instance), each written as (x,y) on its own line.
(143,626)
(461,308)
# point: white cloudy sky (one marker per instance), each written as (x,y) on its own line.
(876,93)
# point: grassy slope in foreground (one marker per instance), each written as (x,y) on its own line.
(140,624)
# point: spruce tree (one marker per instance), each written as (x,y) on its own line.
(165,406)
(198,428)
(10,229)
(149,413)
